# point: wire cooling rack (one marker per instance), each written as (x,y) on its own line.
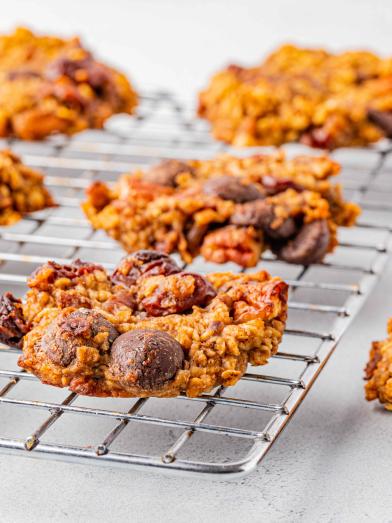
(222,434)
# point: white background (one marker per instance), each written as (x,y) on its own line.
(178,44)
(342,470)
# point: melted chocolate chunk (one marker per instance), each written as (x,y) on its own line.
(309,246)
(261,214)
(231,188)
(146,358)
(66,334)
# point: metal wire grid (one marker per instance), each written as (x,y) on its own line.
(225,433)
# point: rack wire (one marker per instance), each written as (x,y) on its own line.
(223,434)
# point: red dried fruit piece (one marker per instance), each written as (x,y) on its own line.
(175,294)
(143,263)
(72,271)
(12,323)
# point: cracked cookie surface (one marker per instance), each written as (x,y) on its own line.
(149,329)
(227,208)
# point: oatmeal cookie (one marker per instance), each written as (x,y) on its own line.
(378,371)
(311,96)
(149,329)
(22,189)
(51,85)
(227,209)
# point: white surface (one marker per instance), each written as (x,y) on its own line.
(178,43)
(341,471)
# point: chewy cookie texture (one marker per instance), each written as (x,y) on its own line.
(22,189)
(378,371)
(148,329)
(51,85)
(227,209)
(308,95)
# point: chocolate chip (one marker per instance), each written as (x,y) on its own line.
(165,173)
(309,246)
(260,213)
(284,230)
(382,119)
(12,323)
(67,333)
(173,296)
(231,188)
(143,263)
(146,358)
